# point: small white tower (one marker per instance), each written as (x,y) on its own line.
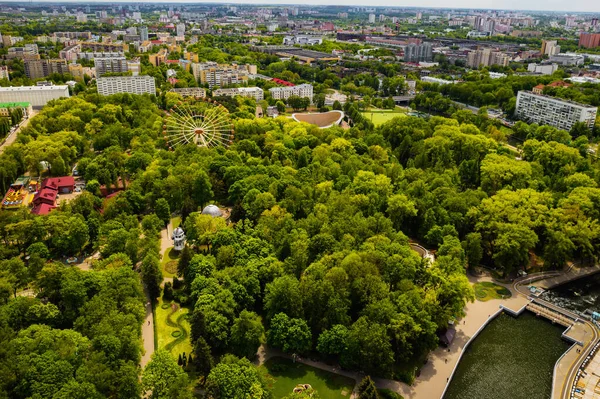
(178,239)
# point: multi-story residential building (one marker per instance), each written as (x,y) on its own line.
(69,53)
(302,39)
(418,52)
(562,114)
(190,92)
(37,96)
(371,18)
(110,65)
(215,75)
(4,73)
(589,40)
(253,92)
(486,57)
(549,47)
(158,58)
(126,84)
(35,69)
(73,35)
(283,93)
(544,69)
(134,66)
(105,47)
(27,52)
(144,33)
(180,29)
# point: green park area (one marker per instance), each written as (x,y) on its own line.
(173,328)
(286,375)
(487,290)
(168,263)
(380,116)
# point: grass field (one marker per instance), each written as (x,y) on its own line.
(380,116)
(173,328)
(168,264)
(486,290)
(287,374)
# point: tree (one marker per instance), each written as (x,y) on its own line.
(184,261)
(235,378)
(280,107)
(291,335)
(164,378)
(247,334)
(333,341)
(203,359)
(152,275)
(283,295)
(162,210)
(367,389)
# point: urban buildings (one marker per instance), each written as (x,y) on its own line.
(190,92)
(144,33)
(544,69)
(158,58)
(253,92)
(216,75)
(283,93)
(4,73)
(549,47)
(486,57)
(69,53)
(302,39)
(562,114)
(27,52)
(110,65)
(93,55)
(567,59)
(126,84)
(418,52)
(36,69)
(37,96)
(180,29)
(589,40)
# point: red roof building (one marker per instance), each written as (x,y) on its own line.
(45,196)
(64,184)
(283,82)
(42,209)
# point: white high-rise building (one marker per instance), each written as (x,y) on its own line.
(253,92)
(371,18)
(110,65)
(283,93)
(180,29)
(545,110)
(126,84)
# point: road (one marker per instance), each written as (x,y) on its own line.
(13,136)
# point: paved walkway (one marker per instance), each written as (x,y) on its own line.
(12,137)
(147,332)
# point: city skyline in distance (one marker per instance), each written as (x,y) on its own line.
(579,6)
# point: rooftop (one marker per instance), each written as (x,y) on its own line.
(35,88)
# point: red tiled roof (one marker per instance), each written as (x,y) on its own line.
(56,183)
(283,82)
(46,194)
(560,83)
(42,209)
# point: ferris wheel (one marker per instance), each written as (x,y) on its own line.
(205,123)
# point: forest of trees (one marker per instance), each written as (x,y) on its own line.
(316,259)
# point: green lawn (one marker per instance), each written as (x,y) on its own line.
(287,374)
(486,290)
(176,222)
(173,321)
(380,116)
(168,264)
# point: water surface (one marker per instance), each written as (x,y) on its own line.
(512,358)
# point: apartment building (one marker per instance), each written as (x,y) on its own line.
(110,65)
(4,72)
(158,58)
(73,35)
(549,47)
(190,92)
(418,52)
(545,110)
(486,57)
(37,96)
(215,75)
(69,53)
(78,71)
(126,84)
(589,40)
(105,47)
(283,93)
(544,69)
(36,69)
(93,55)
(252,92)
(27,52)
